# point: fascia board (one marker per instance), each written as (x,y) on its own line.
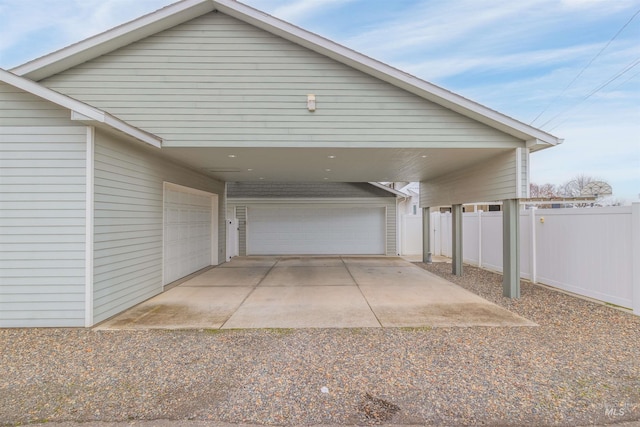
(132,131)
(79,110)
(111,122)
(114,38)
(389,189)
(51,95)
(384,72)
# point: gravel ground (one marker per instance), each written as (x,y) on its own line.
(580,366)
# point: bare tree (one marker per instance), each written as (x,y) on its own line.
(575,186)
(544,190)
(579,186)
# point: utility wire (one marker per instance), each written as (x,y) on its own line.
(593,92)
(585,68)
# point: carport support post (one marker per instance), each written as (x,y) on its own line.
(456,244)
(426,235)
(511,248)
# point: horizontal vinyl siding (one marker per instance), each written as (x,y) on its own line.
(492,180)
(128,222)
(42,224)
(241,215)
(304,189)
(216,80)
(19,108)
(525,172)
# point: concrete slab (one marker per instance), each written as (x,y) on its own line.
(310,261)
(379,261)
(407,274)
(315,292)
(308,276)
(432,304)
(304,307)
(182,308)
(239,276)
(250,261)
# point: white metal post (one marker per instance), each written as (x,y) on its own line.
(479,238)
(533,260)
(456,239)
(635,252)
(511,248)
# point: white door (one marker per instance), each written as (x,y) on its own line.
(232,238)
(189,216)
(315,230)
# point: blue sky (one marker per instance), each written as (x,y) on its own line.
(570,67)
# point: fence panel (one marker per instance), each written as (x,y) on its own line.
(492,241)
(471,238)
(587,251)
(411,237)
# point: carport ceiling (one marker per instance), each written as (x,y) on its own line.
(329,164)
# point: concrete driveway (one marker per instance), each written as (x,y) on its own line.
(314,292)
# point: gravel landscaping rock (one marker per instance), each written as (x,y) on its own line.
(580,366)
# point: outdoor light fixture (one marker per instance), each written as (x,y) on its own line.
(311,102)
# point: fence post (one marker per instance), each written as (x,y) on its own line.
(437,234)
(426,235)
(456,240)
(635,252)
(480,238)
(533,259)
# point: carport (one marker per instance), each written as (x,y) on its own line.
(162,112)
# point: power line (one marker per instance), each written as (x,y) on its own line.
(585,68)
(594,91)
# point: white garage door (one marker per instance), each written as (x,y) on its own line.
(187,232)
(317,229)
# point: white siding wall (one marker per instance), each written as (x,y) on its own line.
(19,108)
(494,179)
(42,223)
(218,81)
(129,222)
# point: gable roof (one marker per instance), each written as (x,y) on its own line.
(79,110)
(186,10)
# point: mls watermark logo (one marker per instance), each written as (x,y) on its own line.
(616,410)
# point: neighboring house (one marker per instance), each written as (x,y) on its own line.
(116,153)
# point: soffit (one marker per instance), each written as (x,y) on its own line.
(328,164)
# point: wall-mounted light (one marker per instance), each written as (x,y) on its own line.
(311,102)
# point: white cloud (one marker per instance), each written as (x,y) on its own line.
(304,9)
(56,24)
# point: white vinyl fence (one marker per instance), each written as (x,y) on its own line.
(593,252)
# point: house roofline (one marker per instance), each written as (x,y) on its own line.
(389,189)
(112,39)
(79,110)
(186,10)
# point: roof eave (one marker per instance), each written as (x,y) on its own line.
(185,10)
(389,189)
(79,110)
(113,39)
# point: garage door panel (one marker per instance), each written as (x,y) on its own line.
(187,233)
(317,229)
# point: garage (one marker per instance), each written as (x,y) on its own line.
(189,236)
(317,229)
